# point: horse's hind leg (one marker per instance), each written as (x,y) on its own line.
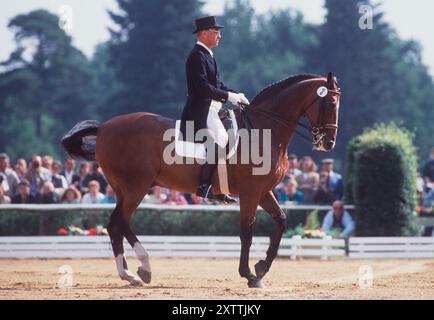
(116,237)
(269,203)
(128,208)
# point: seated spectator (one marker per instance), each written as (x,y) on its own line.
(308,180)
(83,171)
(175,198)
(22,165)
(4,199)
(289,194)
(48,194)
(46,174)
(36,178)
(110,196)
(193,199)
(47,162)
(428,173)
(71,196)
(96,175)
(335,182)
(69,172)
(156,196)
(94,195)
(323,194)
(58,180)
(338,218)
(11,178)
(24,195)
(428,202)
(293,170)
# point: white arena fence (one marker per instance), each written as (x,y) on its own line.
(166,246)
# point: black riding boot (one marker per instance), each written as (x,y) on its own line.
(204,189)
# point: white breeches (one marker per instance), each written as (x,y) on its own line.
(215,126)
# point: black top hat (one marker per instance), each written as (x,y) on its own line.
(206,23)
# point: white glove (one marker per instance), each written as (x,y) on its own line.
(236,98)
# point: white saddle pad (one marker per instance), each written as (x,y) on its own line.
(197,150)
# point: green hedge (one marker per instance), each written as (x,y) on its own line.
(381,181)
(151,222)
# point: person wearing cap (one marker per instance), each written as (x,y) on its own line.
(206,95)
(11,182)
(335,181)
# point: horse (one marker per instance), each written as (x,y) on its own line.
(129,149)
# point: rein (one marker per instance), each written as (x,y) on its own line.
(317,130)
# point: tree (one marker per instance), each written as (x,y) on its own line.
(148,52)
(47,86)
(381,76)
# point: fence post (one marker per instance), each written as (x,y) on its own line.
(325,248)
(295,247)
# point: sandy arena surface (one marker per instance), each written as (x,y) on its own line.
(202,278)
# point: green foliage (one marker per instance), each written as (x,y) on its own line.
(382,181)
(146,222)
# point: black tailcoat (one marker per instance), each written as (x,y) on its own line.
(203,85)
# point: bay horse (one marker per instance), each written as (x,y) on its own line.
(129,149)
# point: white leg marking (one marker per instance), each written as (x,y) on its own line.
(142,255)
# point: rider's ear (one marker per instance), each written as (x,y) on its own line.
(330,80)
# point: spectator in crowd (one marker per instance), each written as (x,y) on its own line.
(428,173)
(156,196)
(71,196)
(58,180)
(36,178)
(323,194)
(24,195)
(46,174)
(175,198)
(47,162)
(193,198)
(293,170)
(94,195)
(428,202)
(48,194)
(4,182)
(110,196)
(69,172)
(21,168)
(289,194)
(4,199)
(308,180)
(335,181)
(96,175)
(11,181)
(338,218)
(83,171)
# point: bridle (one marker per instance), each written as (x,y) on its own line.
(318,130)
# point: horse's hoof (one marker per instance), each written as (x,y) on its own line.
(261,269)
(132,279)
(144,275)
(255,283)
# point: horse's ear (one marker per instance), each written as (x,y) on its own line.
(330,80)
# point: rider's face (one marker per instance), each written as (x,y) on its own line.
(213,37)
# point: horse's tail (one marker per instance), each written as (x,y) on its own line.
(80,141)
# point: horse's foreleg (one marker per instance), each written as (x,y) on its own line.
(269,203)
(116,238)
(247,219)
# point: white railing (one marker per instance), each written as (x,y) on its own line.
(167,246)
(391,247)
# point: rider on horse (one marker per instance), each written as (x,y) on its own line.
(206,95)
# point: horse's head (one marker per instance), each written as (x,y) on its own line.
(323,114)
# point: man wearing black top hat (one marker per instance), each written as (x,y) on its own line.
(206,95)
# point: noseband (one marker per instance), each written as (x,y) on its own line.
(318,130)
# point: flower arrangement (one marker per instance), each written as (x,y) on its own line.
(76,231)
